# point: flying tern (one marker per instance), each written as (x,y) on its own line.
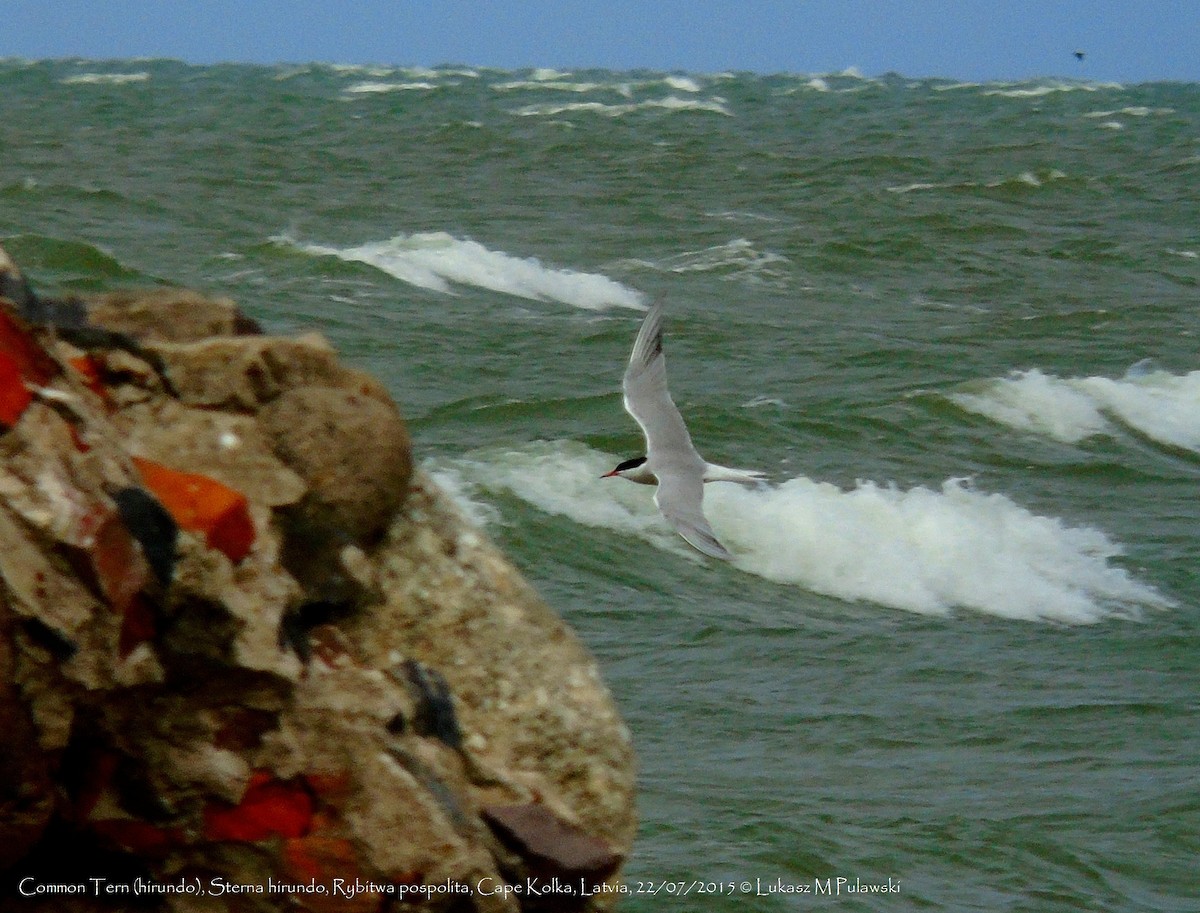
(671,461)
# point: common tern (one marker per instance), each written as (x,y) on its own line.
(671,461)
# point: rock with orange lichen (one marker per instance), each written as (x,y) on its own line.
(243,642)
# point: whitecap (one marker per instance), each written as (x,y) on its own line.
(1159,405)
(437,261)
(1130,111)
(359,69)
(921,550)
(462,494)
(682,83)
(375,88)
(108,79)
(738,259)
(920,185)
(556,85)
(714,105)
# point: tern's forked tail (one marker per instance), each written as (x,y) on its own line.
(715,473)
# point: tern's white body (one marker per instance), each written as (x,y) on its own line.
(671,461)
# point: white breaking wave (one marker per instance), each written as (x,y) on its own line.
(922,550)
(437,261)
(555,84)
(376,88)
(1011,90)
(1024,179)
(669,103)
(110,79)
(682,83)
(1161,406)
(736,259)
(1131,111)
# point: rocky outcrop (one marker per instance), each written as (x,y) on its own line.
(250,659)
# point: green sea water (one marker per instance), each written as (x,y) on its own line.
(955,323)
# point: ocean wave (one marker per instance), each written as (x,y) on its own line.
(682,83)
(921,550)
(671,103)
(361,69)
(1040,90)
(1130,111)
(375,88)
(374,71)
(559,85)
(738,259)
(1158,405)
(437,261)
(105,79)
(1020,180)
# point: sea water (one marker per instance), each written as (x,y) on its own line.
(955,660)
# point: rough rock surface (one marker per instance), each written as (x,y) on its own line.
(243,643)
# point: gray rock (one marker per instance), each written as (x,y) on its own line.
(367,690)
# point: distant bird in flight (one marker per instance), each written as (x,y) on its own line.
(1079,55)
(671,462)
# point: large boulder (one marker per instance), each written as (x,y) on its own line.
(252,658)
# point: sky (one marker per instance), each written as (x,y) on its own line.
(1128,42)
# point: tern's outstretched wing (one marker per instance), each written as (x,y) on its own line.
(648,400)
(680,498)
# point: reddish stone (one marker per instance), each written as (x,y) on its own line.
(202,504)
(32,361)
(14,396)
(550,846)
(269,808)
(320,858)
(93,379)
(77,439)
(137,627)
(117,561)
(330,787)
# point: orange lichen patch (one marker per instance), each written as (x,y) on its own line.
(202,504)
(32,361)
(320,858)
(138,836)
(330,787)
(269,808)
(14,396)
(89,371)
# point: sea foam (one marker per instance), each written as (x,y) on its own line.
(1158,405)
(922,550)
(737,259)
(437,261)
(671,103)
(377,88)
(104,79)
